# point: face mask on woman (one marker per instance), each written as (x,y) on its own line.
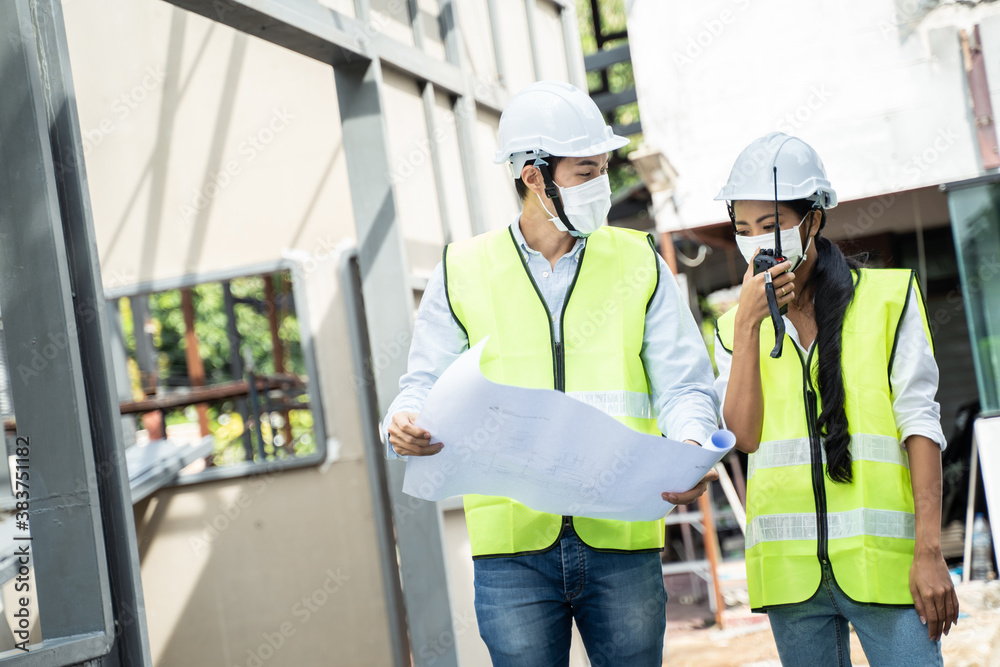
(791,244)
(586,205)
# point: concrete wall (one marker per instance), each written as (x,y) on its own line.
(876,86)
(206,151)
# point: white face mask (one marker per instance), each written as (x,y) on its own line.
(586,205)
(791,244)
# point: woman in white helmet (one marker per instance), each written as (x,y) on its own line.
(841,427)
(567,303)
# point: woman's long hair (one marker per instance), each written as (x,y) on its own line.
(833,281)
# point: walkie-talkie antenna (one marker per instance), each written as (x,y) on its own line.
(777,227)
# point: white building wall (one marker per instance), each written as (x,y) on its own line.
(881,95)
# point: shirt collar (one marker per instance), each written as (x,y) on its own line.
(523,245)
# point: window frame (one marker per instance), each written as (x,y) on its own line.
(190,280)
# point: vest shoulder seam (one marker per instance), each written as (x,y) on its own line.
(447,292)
(656,263)
(899,323)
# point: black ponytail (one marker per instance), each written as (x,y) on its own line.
(833,280)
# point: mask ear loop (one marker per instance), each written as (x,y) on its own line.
(822,221)
(552,192)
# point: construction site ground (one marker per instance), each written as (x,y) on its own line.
(745,638)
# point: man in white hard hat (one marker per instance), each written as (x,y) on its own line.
(567,304)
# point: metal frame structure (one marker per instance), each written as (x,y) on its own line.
(84,545)
(89,586)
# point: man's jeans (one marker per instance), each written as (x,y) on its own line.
(814,633)
(525,606)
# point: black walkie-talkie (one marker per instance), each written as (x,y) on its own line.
(764,260)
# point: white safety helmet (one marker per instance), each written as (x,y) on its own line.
(552,118)
(800,173)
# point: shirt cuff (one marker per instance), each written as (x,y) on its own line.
(383,432)
(696,431)
(929,429)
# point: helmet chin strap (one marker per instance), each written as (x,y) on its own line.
(552,192)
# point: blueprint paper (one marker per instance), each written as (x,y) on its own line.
(548,450)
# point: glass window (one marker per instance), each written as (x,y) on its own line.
(975,216)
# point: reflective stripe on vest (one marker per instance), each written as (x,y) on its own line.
(491,293)
(864,447)
(795,514)
(862,521)
(617,403)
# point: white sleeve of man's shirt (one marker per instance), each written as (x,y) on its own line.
(914,378)
(437,341)
(677,363)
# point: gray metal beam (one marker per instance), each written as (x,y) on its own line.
(55,328)
(530,12)
(608,57)
(608,102)
(571,42)
(131,642)
(384,273)
(437,165)
(497,34)
(309,28)
(303,26)
(465,118)
(350,284)
(627,130)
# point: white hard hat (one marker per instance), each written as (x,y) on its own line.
(552,118)
(800,174)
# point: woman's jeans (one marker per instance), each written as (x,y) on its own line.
(526,605)
(814,633)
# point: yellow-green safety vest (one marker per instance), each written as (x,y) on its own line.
(796,516)
(595,358)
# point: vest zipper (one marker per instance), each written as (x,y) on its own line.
(558,352)
(560,366)
(816,456)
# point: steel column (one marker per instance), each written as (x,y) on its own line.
(56,328)
(384,287)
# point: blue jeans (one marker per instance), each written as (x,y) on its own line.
(525,606)
(814,633)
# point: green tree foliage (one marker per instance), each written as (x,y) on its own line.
(619,77)
(210,326)
(253,325)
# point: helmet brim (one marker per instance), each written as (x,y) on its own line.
(606,145)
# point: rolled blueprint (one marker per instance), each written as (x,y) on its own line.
(548,450)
